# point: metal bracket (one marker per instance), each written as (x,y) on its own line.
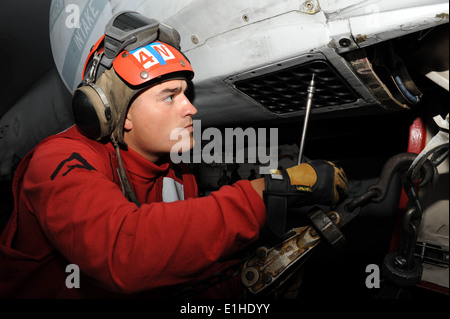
(432,254)
(268,265)
(326,226)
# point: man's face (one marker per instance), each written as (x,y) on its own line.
(159,118)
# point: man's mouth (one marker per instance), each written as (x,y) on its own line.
(189,128)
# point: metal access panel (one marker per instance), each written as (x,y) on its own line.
(285,91)
(281,88)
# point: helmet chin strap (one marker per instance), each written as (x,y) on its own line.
(125,182)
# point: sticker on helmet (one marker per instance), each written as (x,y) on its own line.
(156,59)
(152,54)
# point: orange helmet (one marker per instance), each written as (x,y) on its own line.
(134,53)
(150,62)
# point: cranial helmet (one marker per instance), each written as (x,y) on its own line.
(134,54)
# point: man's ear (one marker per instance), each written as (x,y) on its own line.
(128,124)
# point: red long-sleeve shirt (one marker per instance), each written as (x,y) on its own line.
(70,209)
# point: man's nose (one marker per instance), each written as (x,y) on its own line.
(188,108)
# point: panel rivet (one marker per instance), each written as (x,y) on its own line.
(309,5)
(345,42)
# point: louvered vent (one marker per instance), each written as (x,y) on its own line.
(285,91)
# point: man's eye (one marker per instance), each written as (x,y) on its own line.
(169,98)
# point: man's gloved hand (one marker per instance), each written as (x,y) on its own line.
(315,182)
(324,182)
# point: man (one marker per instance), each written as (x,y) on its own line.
(103,197)
(224,179)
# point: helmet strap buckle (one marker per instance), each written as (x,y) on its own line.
(94,68)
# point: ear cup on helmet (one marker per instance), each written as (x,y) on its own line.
(92,112)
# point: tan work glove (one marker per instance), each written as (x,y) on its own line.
(325,182)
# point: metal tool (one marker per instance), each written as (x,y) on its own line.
(311,90)
(270,267)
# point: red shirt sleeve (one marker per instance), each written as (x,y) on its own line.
(87,218)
